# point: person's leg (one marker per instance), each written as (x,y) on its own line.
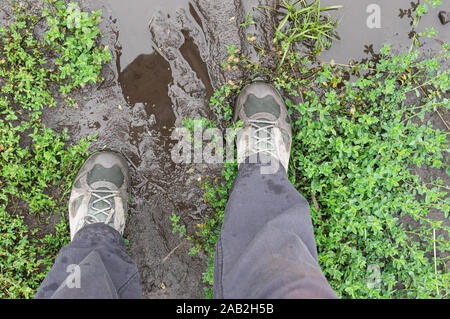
(266,248)
(95,264)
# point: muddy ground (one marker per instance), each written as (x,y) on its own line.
(166,64)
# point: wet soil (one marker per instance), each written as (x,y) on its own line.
(166,64)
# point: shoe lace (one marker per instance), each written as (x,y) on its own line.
(102,196)
(263,137)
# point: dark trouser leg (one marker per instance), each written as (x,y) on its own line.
(267,248)
(94,265)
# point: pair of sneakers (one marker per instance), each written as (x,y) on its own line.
(100,191)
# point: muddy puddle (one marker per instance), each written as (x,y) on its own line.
(147,64)
(166,64)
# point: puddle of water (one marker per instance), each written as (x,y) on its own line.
(144,75)
(358,40)
(146,81)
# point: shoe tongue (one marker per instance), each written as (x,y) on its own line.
(268,104)
(99,173)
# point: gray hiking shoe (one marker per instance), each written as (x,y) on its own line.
(100,193)
(267,124)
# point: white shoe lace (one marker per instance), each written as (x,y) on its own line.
(101,196)
(263,137)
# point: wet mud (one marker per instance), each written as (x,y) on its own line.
(166,64)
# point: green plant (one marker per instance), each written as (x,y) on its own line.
(354,150)
(305,23)
(72,36)
(37,165)
(176,227)
(248,20)
(419,11)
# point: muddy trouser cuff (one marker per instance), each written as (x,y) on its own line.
(266,248)
(94,265)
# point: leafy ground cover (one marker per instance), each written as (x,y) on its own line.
(358,134)
(47,50)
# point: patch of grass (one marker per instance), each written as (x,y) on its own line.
(358,134)
(304,23)
(354,150)
(36,164)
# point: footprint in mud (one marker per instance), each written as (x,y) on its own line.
(162,88)
(181,43)
(167,85)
